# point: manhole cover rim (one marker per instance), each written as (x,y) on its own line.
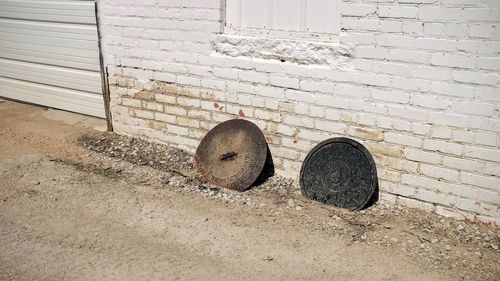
(356,145)
(260,153)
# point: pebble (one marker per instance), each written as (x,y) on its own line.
(363,237)
(442,231)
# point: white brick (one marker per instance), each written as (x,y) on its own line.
(175,110)
(429,102)
(390,26)
(143,114)
(252,76)
(417,1)
(456,90)
(421,129)
(313,135)
(332,101)
(456,29)
(453,60)
(477,14)
(488,196)
(448,119)
(213,84)
(299,96)
(373,79)
(412,28)
(389,175)
(439,173)
(475,77)
(368,24)
(131,102)
(443,187)
(422,156)
(267,115)
(368,107)
(482,181)
(298,121)
(462,164)
(462,136)
(484,109)
(286,130)
(301,145)
(371,52)
(490,63)
(397,12)
(486,139)
(439,13)
(331,114)
(481,30)
(427,196)
(441,132)
(349,9)
(433,28)
(284,82)
(407,113)
(492,169)
(177,130)
(394,40)
(241,87)
(431,72)
(329,126)
(271,92)
(352,90)
(391,96)
(443,146)
(226,73)
(409,56)
(285,153)
(186,80)
(403,139)
(316,86)
(435,44)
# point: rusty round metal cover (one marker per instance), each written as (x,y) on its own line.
(232,154)
(339,172)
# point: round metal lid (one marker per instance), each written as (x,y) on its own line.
(339,172)
(232,154)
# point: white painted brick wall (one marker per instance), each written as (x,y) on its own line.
(417,81)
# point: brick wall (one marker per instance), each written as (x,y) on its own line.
(416,81)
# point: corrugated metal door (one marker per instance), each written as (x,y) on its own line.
(49,54)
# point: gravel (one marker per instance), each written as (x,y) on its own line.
(441,242)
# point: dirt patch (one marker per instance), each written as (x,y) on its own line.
(443,243)
(120,208)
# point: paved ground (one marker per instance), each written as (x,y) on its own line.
(60,220)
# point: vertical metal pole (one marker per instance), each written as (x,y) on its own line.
(104,75)
(222,15)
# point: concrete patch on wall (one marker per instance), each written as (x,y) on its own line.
(295,51)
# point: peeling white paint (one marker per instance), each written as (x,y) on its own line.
(295,51)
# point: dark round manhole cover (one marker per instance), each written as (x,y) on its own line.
(339,172)
(232,154)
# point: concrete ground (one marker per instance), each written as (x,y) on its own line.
(59,221)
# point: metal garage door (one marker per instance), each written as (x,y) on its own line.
(49,54)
